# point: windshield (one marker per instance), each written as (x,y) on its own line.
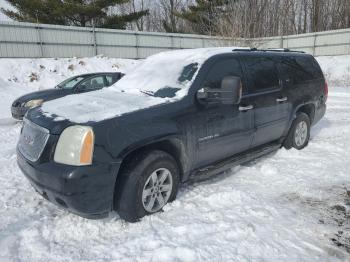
(164,75)
(167,74)
(70,82)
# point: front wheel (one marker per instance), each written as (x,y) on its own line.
(299,133)
(150,182)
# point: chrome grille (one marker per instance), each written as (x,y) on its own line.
(33,140)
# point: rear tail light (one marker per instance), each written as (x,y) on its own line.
(325,90)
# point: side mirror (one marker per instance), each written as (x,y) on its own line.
(230,92)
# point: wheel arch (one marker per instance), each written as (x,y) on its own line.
(173,145)
(308,108)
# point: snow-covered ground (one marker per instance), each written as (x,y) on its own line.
(288,206)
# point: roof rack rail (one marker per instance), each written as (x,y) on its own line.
(281,50)
(278,49)
(267,50)
(245,49)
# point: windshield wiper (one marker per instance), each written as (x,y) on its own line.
(165,92)
(150,93)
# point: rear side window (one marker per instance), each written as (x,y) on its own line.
(109,79)
(301,69)
(92,83)
(227,67)
(262,73)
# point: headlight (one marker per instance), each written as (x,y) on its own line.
(33,103)
(75,146)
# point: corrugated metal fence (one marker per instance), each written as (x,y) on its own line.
(335,42)
(39,40)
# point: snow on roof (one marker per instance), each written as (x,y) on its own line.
(134,91)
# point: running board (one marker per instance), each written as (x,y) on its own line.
(219,167)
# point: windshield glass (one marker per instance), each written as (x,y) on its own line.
(70,82)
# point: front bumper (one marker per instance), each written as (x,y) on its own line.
(86,191)
(18,112)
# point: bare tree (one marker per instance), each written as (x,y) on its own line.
(242,18)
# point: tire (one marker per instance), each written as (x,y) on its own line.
(134,196)
(299,133)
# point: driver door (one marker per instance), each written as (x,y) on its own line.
(222,130)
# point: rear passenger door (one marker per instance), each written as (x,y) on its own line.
(302,78)
(270,101)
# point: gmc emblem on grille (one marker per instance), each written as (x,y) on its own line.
(28,140)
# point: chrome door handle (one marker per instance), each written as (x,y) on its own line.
(245,108)
(282,99)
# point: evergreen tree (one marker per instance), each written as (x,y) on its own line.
(203,15)
(71,12)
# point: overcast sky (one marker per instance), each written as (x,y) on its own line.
(4,4)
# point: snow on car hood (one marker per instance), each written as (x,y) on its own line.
(97,105)
(164,77)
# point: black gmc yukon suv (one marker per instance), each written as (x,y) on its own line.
(178,115)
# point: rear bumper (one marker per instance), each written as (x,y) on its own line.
(319,113)
(18,112)
(86,191)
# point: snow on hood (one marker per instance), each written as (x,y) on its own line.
(164,77)
(97,105)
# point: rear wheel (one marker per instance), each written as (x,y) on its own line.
(150,182)
(299,133)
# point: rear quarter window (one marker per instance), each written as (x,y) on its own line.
(301,69)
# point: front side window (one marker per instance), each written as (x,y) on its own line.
(96,82)
(221,69)
(262,73)
(70,83)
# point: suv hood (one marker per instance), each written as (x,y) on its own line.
(97,105)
